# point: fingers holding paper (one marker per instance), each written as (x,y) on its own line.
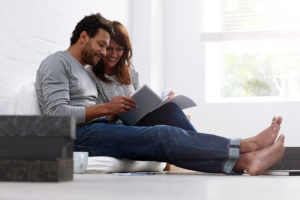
(121,104)
(171,95)
(167,95)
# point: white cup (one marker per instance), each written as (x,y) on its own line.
(80,161)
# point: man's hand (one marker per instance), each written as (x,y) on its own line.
(112,118)
(120,104)
(117,105)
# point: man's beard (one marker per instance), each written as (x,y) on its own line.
(88,54)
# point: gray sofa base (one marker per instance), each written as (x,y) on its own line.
(290,162)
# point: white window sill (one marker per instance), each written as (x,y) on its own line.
(253,99)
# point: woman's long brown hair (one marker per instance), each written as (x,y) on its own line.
(122,71)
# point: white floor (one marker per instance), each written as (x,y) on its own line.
(158,186)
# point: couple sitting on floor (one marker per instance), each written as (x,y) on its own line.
(91,81)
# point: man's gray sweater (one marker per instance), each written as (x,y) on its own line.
(64,87)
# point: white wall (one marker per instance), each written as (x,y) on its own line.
(184,51)
(185,73)
(33,29)
(148,40)
(141,38)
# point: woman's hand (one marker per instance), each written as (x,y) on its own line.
(171,95)
(167,95)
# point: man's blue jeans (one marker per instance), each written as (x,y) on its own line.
(184,148)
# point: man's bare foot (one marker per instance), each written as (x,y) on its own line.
(255,163)
(264,139)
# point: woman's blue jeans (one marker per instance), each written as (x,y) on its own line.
(183,147)
(169,114)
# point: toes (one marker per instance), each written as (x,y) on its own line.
(281,138)
(279,120)
(275,129)
(274,120)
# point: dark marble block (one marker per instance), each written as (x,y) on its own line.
(290,160)
(37,126)
(36,170)
(36,147)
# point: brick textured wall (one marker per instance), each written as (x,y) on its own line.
(31,30)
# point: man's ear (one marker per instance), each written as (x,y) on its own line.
(84,38)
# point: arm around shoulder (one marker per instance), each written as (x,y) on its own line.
(135,77)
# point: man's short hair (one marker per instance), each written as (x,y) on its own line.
(91,25)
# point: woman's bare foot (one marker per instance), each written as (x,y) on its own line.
(255,163)
(264,139)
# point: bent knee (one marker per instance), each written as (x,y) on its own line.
(165,130)
(171,106)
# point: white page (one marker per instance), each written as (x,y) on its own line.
(147,101)
(180,100)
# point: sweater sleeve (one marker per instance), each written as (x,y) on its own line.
(55,91)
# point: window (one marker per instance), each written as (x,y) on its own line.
(252,49)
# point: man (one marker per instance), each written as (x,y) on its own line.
(64,88)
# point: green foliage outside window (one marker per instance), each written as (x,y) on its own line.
(251,74)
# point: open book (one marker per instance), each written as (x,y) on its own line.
(147,101)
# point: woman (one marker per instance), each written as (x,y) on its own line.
(115,76)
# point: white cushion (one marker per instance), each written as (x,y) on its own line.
(27,102)
(105,164)
(8,106)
